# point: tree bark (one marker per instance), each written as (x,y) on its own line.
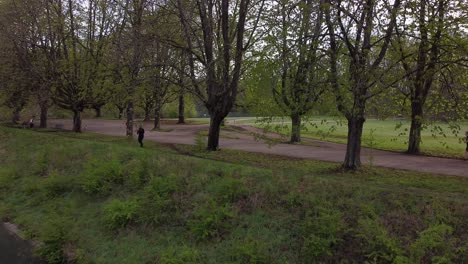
(215,128)
(44,110)
(353,148)
(98,111)
(157,119)
(416,127)
(296,128)
(77,121)
(121,110)
(181,110)
(130,112)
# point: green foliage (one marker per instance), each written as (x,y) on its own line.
(223,207)
(99,175)
(41,166)
(117,213)
(227,189)
(201,142)
(377,245)
(53,238)
(435,243)
(136,173)
(321,231)
(157,204)
(252,251)
(180,255)
(7,177)
(211,220)
(55,184)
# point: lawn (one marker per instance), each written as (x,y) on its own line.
(437,139)
(102,199)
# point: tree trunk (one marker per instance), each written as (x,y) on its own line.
(129,131)
(147,114)
(181,110)
(157,119)
(296,128)
(353,148)
(98,111)
(416,127)
(213,135)
(15,117)
(121,110)
(76,121)
(44,110)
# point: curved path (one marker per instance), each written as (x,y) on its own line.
(317,150)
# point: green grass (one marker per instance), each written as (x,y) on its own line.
(387,135)
(102,199)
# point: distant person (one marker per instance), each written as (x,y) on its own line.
(141,135)
(31,122)
(466,149)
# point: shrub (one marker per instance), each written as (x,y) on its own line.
(321,229)
(99,176)
(157,205)
(228,189)
(136,173)
(163,186)
(53,238)
(377,244)
(55,185)
(211,220)
(118,214)
(180,255)
(434,243)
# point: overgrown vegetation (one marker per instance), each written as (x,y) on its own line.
(101,199)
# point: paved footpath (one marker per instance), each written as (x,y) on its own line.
(317,150)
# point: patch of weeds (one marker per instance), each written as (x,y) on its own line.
(99,176)
(228,189)
(434,244)
(53,238)
(200,142)
(250,250)
(30,185)
(377,244)
(118,213)
(157,204)
(7,177)
(136,173)
(180,255)
(321,229)
(55,185)
(211,220)
(41,165)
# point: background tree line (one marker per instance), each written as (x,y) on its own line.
(271,57)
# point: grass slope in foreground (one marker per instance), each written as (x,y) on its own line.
(101,199)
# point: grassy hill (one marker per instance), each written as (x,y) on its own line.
(102,199)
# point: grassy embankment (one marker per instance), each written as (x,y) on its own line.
(101,199)
(380,134)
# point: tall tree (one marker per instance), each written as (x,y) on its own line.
(216,40)
(298,52)
(426,40)
(365,29)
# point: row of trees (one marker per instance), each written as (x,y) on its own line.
(85,54)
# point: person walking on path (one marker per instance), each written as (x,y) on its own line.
(466,149)
(141,135)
